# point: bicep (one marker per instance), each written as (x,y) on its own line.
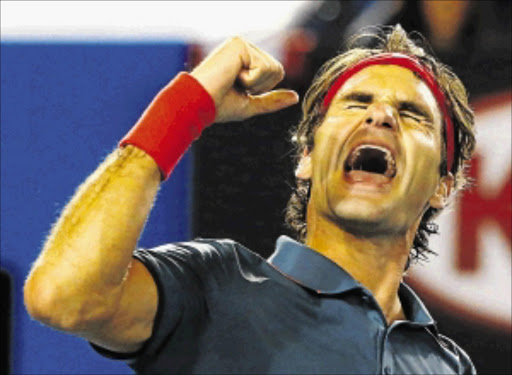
(132,324)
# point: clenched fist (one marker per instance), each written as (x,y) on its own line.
(240,78)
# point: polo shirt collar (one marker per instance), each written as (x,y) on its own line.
(309,268)
(314,271)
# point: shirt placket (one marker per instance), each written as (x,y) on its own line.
(377,317)
(387,360)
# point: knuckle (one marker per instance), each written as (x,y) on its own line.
(236,39)
(280,70)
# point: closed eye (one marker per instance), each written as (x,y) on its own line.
(414,111)
(422,123)
(357,106)
(409,115)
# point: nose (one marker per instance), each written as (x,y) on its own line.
(381,115)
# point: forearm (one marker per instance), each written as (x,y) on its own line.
(88,252)
(86,259)
(78,280)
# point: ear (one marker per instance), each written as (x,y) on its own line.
(444,189)
(304,169)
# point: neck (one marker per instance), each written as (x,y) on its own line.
(377,262)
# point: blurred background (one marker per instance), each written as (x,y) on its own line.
(76,75)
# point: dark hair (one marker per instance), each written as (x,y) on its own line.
(386,39)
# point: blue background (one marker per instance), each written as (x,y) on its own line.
(64,108)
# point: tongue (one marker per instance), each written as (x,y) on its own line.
(358,176)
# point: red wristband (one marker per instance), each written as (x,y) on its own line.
(174,119)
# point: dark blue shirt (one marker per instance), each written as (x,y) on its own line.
(224,309)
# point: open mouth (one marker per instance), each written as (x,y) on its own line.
(371,159)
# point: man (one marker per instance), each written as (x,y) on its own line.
(382,144)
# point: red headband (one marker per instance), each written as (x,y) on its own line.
(414,65)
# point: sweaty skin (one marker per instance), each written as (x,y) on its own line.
(368,227)
(85,281)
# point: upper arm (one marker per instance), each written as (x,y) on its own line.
(132,323)
(169,280)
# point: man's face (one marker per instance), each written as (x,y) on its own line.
(375,163)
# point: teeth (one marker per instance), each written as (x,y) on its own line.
(391,170)
(384,150)
(391,167)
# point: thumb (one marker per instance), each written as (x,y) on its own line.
(271,101)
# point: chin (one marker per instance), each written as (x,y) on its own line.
(361,217)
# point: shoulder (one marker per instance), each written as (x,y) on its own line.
(204,248)
(465,364)
(196,249)
(201,254)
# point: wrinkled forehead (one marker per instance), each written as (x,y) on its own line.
(391,81)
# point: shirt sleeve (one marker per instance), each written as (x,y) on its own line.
(182,272)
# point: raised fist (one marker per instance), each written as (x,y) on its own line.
(239,77)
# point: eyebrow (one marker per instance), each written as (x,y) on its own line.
(367,98)
(358,96)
